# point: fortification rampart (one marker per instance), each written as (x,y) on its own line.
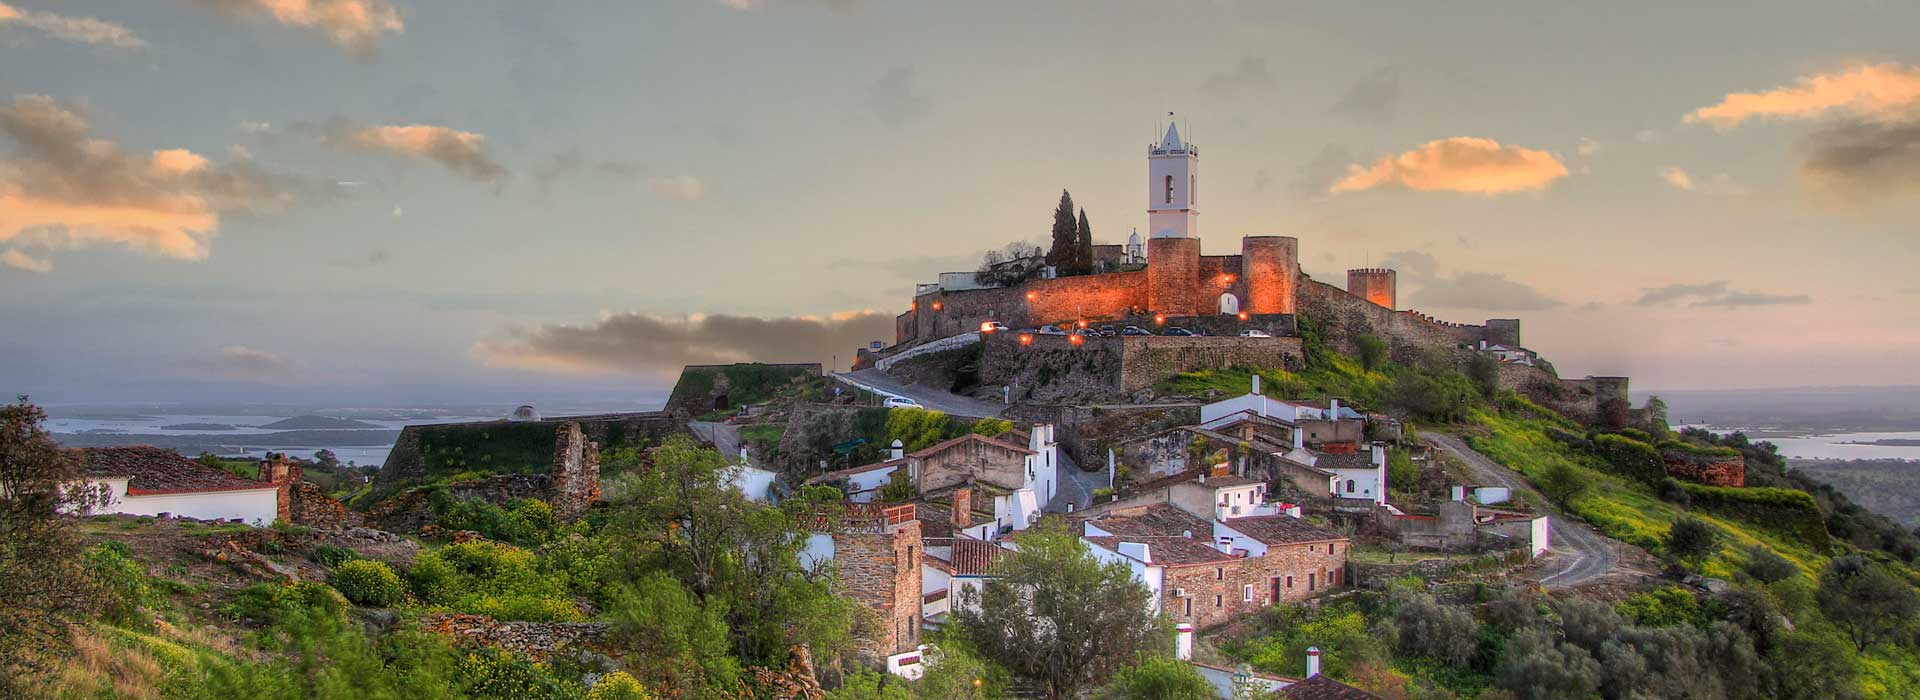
(1376,285)
(1052,367)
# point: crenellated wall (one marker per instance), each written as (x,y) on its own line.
(1376,285)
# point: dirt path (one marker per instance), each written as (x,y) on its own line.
(1580,554)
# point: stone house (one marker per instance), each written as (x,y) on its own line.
(877,550)
(1460,525)
(981,486)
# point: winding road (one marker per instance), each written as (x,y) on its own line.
(1581,554)
(934,398)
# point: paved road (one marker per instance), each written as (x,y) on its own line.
(1076,486)
(1580,554)
(934,398)
(724,436)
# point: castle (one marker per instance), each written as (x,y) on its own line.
(1262,286)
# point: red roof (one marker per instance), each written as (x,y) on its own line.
(1170,551)
(974,557)
(1282,529)
(1321,687)
(1158,520)
(155,470)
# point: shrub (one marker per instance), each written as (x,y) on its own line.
(1691,540)
(1663,607)
(618,685)
(1371,351)
(1672,491)
(123,583)
(992,427)
(368,582)
(271,603)
(1767,567)
(332,556)
(1789,512)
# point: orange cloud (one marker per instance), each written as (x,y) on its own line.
(22,261)
(1677,177)
(355,26)
(462,152)
(1883,91)
(86,30)
(644,344)
(1458,164)
(66,189)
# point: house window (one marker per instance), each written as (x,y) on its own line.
(1246,593)
(1289,583)
(1219,600)
(1219,573)
(1310,582)
(1169,189)
(1189,612)
(1349,486)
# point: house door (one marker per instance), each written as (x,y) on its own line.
(1229,304)
(1274,595)
(1310,581)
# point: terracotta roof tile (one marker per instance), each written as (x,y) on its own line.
(155,469)
(1159,520)
(945,445)
(974,557)
(1228,481)
(1170,551)
(1282,529)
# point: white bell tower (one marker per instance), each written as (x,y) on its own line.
(1173,180)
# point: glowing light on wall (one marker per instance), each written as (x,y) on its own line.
(1076,339)
(1159,319)
(1026,339)
(1032,296)
(1243,315)
(936,306)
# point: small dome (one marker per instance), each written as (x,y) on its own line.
(897,443)
(524,413)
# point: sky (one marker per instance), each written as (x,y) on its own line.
(394,201)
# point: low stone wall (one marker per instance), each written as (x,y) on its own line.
(408,511)
(308,504)
(947,343)
(1087,432)
(534,640)
(1705,469)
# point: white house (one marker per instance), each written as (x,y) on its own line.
(145,480)
(1007,485)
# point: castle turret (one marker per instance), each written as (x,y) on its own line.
(1173,276)
(1271,266)
(1372,284)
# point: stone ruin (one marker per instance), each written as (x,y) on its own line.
(571,486)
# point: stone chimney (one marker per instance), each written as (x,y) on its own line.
(962,507)
(1333,409)
(276,469)
(1221,469)
(1313,661)
(899,450)
(1256,383)
(1183,641)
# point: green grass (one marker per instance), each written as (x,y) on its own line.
(1340,376)
(1624,509)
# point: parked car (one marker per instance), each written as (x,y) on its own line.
(1050,330)
(992,327)
(1176,330)
(900,402)
(1108,332)
(1135,330)
(1255,333)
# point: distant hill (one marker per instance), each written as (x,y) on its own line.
(1890,487)
(319,423)
(198,426)
(1813,409)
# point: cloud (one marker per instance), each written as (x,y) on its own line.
(239,363)
(1458,164)
(1588,147)
(1463,290)
(896,98)
(633,343)
(1373,96)
(86,30)
(1482,290)
(1714,294)
(1660,295)
(1880,91)
(64,188)
(463,152)
(1677,177)
(1733,299)
(1861,160)
(685,188)
(1248,76)
(355,26)
(22,261)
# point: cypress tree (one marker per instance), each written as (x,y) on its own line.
(1063,254)
(1084,252)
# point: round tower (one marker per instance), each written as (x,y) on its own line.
(1372,284)
(1173,276)
(1271,266)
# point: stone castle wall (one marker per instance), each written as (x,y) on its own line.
(1052,367)
(1710,470)
(576,472)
